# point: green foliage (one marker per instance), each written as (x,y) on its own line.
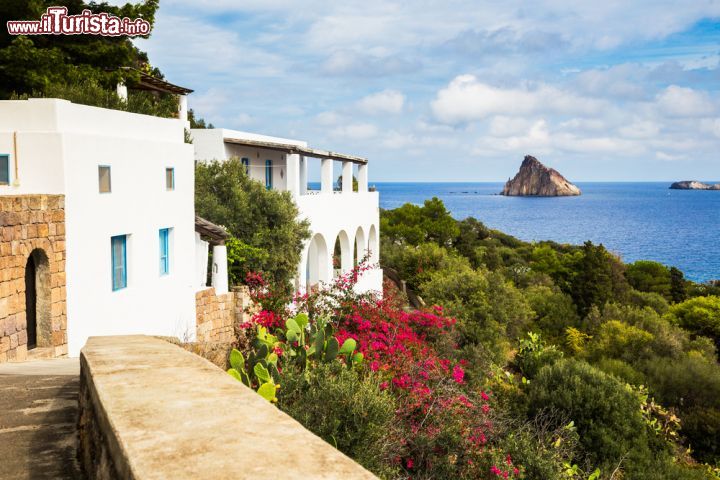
(621,370)
(648,276)
(678,288)
(37,63)
(490,309)
(609,421)
(533,354)
(415,264)
(616,339)
(239,255)
(647,299)
(348,411)
(700,316)
(261,220)
(89,92)
(554,310)
(691,384)
(412,224)
(545,452)
(597,279)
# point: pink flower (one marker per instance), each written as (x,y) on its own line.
(484,396)
(458,374)
(409,463)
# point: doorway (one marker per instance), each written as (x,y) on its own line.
(37,300)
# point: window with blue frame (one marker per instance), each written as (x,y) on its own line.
(246,163)
(118,249)
(268,174)
(164,251)
(4,169)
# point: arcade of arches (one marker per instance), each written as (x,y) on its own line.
(323,264)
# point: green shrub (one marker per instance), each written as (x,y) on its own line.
(554,310)
(648,276)
(607,415)
(621,370)
(616,339)
(89,92)
(416,264)
(347,410)
(700,316)
(533,354)
(648,299)
(692,385)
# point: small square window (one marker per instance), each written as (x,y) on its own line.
(170,178)
(4,169)
(104,178)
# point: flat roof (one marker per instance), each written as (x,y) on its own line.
(292,148)
(148,82)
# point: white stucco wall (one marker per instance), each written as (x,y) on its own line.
(329,213)
(333,213)
(65,159)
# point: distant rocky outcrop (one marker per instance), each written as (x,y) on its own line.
(535,179)
(694,185)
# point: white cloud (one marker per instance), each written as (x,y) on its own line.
(684,102)
(387,101)
(356,131)
(467,99)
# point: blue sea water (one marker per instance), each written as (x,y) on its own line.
(635,220)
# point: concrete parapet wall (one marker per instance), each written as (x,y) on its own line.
(150,410)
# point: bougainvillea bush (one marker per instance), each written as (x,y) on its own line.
(441,427)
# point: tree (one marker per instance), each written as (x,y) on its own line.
(648,276)
(262,219)
(32,64)
(593,282)
(699,316)
(354,183)
(412,224)
(678,292)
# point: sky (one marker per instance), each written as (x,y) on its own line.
(461,90)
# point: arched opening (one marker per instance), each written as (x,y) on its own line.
(317,261)
(342,262)
(359,247)
(373,250)
(37,300)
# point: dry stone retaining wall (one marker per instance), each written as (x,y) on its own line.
(32,225)
(217,316)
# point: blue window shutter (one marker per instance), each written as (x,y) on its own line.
(246,163)
(118,246)
(164,251)
(4,169)
(268,174)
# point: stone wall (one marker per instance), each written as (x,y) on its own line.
(32,227)
(217,316)
(170,414)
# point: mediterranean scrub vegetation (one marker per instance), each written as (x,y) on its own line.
(266,236)
(519,360)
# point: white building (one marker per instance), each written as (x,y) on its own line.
(341,215)
(113,249)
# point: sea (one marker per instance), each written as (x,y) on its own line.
(638,221)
